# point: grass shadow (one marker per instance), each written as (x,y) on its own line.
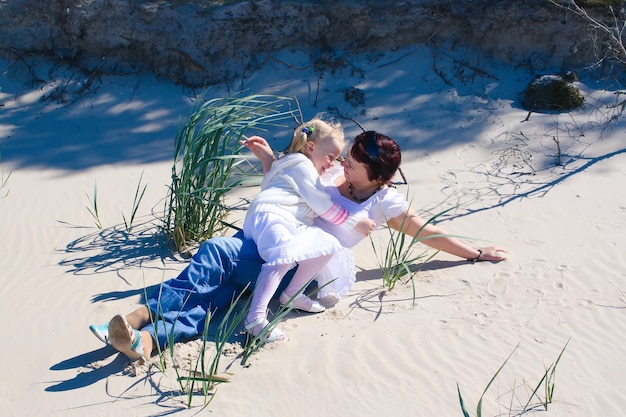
(113,249)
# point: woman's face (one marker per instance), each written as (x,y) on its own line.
(323,155)
(356,172)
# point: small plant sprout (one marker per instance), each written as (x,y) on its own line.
(136,201)
(558,151)
(547,381)
(93,209)
(396,259)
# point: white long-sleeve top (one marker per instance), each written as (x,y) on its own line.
(293,189)
(386,203)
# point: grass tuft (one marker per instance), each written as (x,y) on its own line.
(93,210)
(547,381)
(208,162)
(397,258)
(136,201)
(254,343)
(200,374)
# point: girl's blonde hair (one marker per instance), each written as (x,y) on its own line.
(315,130)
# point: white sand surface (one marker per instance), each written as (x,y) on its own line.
(375,353)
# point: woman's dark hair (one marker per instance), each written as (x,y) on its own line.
(380,154)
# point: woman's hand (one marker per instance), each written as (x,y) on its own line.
(493,253)
(261,149)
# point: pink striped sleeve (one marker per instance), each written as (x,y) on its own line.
(336,214)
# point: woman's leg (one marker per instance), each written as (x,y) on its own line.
(221,269)
(126,339)
(218,272)
(139,318)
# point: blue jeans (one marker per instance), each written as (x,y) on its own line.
(217,274)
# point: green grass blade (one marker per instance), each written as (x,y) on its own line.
(465,413)
(93,210)
(480,401)
(548,380)
(207,162)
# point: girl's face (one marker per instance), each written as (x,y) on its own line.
(356,172)
(324,153)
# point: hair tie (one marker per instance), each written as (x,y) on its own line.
(308,130)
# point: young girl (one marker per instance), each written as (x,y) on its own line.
(280,220)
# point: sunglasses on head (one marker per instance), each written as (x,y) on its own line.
(371,148)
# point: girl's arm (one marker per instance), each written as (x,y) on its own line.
(410,223)
(261,149)
(307,184)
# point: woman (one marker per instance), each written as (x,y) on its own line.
(223,267)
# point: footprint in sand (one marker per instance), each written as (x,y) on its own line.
(482,319)
(426,158)
(564,268)
(449,177)
(465,152)
(500,285)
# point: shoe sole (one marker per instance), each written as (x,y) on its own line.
(98,335)
(119,337)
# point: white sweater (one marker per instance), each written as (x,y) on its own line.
(293,189)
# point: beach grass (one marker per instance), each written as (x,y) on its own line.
(397,258)
(208,162)
(93,208)
(547,381)
(128,223)
(254,343)
(201,373)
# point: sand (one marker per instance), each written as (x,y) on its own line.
(393,353)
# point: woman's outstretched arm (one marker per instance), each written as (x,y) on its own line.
(410,223)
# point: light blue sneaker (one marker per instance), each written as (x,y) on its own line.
(101,331)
